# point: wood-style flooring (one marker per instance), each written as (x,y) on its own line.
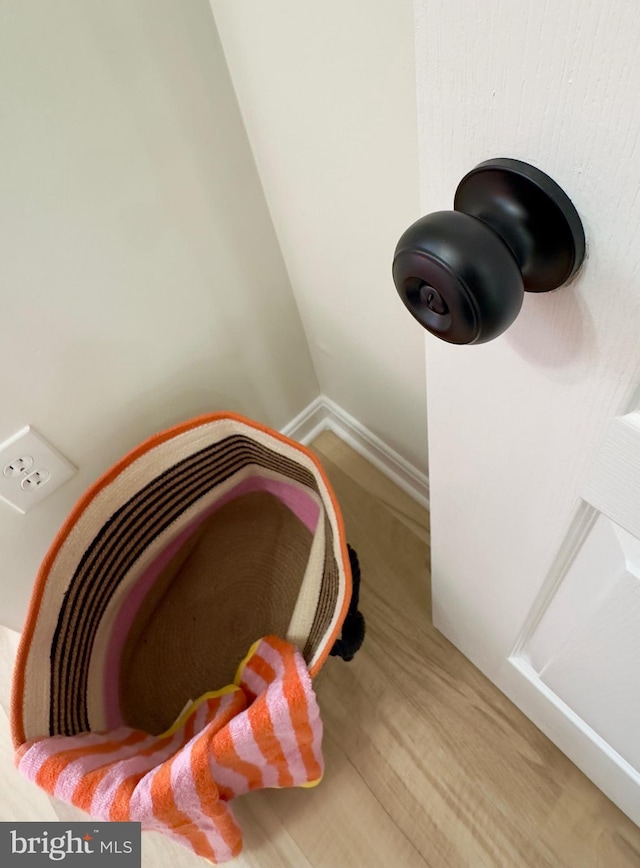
(427,763)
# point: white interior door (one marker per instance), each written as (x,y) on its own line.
(534,438)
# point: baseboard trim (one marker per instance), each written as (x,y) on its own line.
(323,414)
(309,423)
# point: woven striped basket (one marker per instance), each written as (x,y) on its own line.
(203,539)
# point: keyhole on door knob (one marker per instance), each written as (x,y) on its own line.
(431,298)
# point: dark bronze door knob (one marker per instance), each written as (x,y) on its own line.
(463,273)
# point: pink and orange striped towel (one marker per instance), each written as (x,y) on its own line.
(262,731)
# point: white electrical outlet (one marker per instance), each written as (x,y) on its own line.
(30,470)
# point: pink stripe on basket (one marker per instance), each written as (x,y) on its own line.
(298,501)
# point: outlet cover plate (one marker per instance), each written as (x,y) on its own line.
(22,456)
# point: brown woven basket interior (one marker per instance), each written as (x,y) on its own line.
(235,580)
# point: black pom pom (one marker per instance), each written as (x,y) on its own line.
(353,629)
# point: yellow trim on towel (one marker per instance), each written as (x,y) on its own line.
(308,786)
(245,661)
(188,711)
(311,784)
(212,694)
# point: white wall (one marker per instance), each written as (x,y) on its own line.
(327,92)
(141,280)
